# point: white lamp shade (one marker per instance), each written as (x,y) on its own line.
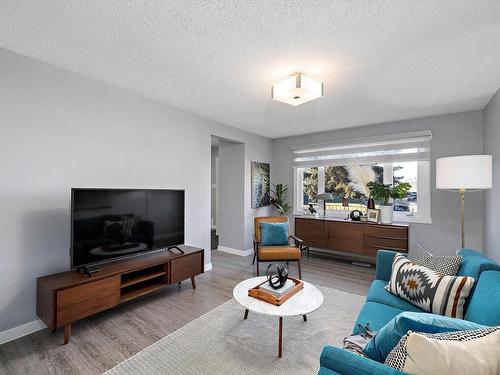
(464,172)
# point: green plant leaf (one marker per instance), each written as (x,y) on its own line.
(279,198)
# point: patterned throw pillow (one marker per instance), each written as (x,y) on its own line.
(428,289)
(447,265)
(461,352)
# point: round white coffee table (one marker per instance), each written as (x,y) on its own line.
(304,302)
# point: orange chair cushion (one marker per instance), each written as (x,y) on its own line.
(278,253)
(268,219)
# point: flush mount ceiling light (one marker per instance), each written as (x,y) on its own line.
(297,89)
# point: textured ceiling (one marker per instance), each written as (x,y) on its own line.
(379,60)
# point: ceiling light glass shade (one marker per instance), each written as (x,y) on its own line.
(464,172)
(297,89)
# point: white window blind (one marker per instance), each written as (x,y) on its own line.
(415,146)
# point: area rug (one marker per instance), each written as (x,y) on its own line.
(221,342)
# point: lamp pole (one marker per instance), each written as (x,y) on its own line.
(462,212)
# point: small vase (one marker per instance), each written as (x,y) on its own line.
(370,204)
(386,214)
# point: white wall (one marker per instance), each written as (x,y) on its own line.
(492,197)
(236,214)
(61,130)
(214,191)
(455,134)
(231,227)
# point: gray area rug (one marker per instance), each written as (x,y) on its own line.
(221,342)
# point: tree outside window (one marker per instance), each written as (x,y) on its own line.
(348,184)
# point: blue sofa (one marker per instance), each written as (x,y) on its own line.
(482,307)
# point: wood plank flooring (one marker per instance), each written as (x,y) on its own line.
(100,342)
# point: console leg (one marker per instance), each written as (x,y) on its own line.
(193,283)
(246,314)
(67,333)
(280,338)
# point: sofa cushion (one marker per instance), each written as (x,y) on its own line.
(270,253)
(384,264)
(347,363)
(273,234)
(474,263)
(327,371)
(378,293)
(389,335)
(428,289)
(468,252)
(376,315)
(484,307)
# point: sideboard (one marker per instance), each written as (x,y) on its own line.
(358,239)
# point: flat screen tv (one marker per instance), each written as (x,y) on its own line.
(111,224)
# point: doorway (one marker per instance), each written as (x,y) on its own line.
(227,195)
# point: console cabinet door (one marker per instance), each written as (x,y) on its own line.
(85,300)
(347,237)
(311,231)
(185,267)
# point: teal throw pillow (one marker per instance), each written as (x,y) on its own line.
(273,234)
(389,335)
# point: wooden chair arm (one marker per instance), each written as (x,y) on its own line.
(297,240)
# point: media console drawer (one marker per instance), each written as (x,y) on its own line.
(85,300)
(186,267)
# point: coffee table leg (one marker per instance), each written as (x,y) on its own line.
(246,314)
(305,318)
(280,338)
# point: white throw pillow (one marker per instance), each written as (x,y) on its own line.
(457,353)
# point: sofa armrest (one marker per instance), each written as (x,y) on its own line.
(347,363)
(384,264)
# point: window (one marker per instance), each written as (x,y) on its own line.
(345,169)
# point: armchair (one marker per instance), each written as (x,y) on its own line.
(286,253)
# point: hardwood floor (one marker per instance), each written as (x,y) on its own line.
(102,341)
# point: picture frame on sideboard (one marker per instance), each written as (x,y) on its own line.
(372,215)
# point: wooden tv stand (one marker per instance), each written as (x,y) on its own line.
(65,297)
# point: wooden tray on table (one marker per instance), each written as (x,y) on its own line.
(265,296)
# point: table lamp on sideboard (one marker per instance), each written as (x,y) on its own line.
(464,173)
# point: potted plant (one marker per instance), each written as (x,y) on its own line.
(279,198)
(386,194)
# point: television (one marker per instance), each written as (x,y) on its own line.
(111,224)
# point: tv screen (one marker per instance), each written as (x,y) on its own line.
(108,224)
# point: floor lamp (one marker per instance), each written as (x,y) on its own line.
(464,173)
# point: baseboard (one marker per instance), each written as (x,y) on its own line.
(208,267)
(20,331)
(243,253)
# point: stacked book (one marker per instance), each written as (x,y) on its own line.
(277,292)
